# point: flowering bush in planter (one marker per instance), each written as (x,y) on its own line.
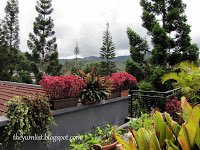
(62,87)
(123,80)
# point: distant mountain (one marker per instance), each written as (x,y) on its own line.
(95,58)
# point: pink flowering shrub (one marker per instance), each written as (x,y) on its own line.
(172,106)
(122,80)
(60,87)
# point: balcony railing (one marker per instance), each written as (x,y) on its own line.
(149,100)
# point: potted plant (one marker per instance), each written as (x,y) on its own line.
(123,81)
(63,91)
(100,139)
(97,88)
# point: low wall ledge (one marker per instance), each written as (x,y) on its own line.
(81,106)
(4,120)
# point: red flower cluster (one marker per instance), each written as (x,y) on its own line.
(123,80)
(172,106)
(59,87)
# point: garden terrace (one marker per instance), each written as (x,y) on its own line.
(9,90)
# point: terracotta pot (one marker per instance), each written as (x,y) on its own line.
(124,92)
(110,146)
(63,103)
(106,147)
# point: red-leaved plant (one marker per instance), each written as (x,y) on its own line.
(60,87)
(123,81)
(172,106)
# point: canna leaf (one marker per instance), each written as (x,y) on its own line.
(171,146)
(142,138)
(160,128)
(154,143)
(186,108)
(172,124)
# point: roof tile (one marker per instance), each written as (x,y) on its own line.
(9,90)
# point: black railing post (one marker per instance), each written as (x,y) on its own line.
(131,103)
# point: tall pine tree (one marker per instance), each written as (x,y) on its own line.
(10,24)
(166,19)
(42,42)
(9,41)
(107,53)
(76,52)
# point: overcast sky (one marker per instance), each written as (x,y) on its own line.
(84,21)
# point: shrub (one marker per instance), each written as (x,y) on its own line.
(155,78)
(135,69)
(146,86)
(88,67)
(172,106)
(186,76)
(123,80)
(27,115)
(60,87)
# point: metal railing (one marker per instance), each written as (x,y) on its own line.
(150,98)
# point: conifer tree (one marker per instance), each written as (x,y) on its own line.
(10,24)
(166,19)
(42,42)
(138,46)
(107,53)
(76,52)
(9,40)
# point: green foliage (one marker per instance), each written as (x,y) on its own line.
(27,116)
(107,68)
(99,137)
(135,69)
(144,121)
(167,133)
(160,42)
(138,46)
(107,52)
(89,66)
(146,86)
(42,41)
(155,78)
(186,76)
(10,24)
(170,33)
(97,88)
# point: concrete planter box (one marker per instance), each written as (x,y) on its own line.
(80,119)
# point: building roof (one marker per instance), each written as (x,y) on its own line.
(9,90)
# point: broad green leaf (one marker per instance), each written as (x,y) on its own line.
(184,139)
(171,146)
(122,141)
(186,108)
(154,143)
(142,138)
(197,139)
(132,142)
(193,124)
(160,128)
(173,125)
